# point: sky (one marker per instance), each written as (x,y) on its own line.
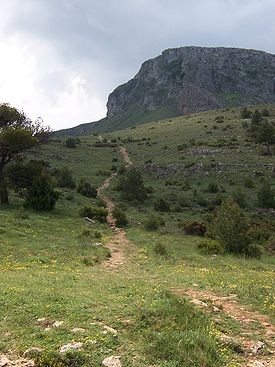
(60,59)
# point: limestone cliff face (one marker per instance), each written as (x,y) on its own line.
(191,79)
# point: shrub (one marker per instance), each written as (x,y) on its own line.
(132,187)
(266,196)
(94,212)
(98,235)
(160,250)
(245,113)
(153,223)
(239,197)
(230,227)
(253,250)
(64,178)
(71,143)
(248,182)
(84,188)
(41,195)
(161,205)
(212,188)
(210,247)
(120,217)
(194,227)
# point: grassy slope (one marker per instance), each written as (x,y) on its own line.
(43,273)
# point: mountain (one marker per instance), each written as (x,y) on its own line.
(189,79)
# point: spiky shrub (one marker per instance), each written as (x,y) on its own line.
(41,195)
(230,227)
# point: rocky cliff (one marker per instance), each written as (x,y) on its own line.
(191,79)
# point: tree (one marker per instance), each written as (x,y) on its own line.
(265,134)
(230,227)
(245,113)
(18,134)
(132,187)
(41,195)
(266,196)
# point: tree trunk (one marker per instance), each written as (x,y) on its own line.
(4,197)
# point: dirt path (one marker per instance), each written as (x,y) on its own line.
(258,343)
(118,244)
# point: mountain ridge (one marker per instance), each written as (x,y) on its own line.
(188,79)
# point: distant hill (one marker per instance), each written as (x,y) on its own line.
(185,80)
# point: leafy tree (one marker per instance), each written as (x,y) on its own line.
(230,227)
(132,187)
(17,135)
(239,197)
(265,134)
(41,195)
(21,174)
(161,205)
(266,196)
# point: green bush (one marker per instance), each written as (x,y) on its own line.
(194,227)
(71,143)
(253,250)
(153,223)
(266,196)
(120,217)
(132,187)
(64,178)
(160,250)
(41,195)
(248,182)
(98,235)
(239,197)
(212,188)
(84,188)
(161,205)
(210,247)
(230,227)
(94,212)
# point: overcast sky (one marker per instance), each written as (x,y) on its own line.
(60,59)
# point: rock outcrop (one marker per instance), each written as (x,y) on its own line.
(191,79)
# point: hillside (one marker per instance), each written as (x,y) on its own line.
(185,80)
(158,300)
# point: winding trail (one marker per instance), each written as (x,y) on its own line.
(118,243)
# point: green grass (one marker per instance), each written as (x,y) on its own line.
(50,263)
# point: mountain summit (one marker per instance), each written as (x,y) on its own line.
(191,79)
(185,80)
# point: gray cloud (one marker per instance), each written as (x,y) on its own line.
(63,57)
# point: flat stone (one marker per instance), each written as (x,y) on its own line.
(113,361)
(199,303)
(70,346)
(110,329)
(57,324)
